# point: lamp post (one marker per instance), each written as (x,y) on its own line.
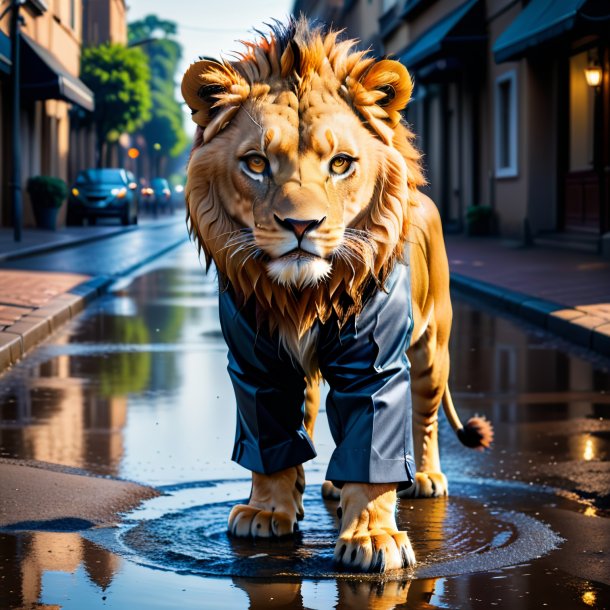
(15,184)
(594,76)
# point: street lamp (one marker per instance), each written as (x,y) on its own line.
(593,75)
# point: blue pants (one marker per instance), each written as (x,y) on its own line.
(369,402)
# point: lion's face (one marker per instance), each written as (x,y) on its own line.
(300,173)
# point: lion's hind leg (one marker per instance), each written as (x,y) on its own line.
(429,359)
(274,507)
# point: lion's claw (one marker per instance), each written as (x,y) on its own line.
(275,506)
(378,552)
(250,522)
(427,485)
(330,492)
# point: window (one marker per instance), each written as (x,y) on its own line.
(582,113)
(386,5)
(506,125)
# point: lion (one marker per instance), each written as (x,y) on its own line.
(303,189)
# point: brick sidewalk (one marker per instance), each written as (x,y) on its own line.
(32,306)
(35,302)
(567,292)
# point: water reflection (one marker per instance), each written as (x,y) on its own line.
(27,558)
(63,420)
(137,387)
(349,594)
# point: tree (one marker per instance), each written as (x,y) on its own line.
(119,78)
(164,131)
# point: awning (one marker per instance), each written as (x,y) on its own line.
(450,35)
(44,78)
(541,21)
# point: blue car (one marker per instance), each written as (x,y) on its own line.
(104,192)
(157,196)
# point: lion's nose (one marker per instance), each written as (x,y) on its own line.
(299,227)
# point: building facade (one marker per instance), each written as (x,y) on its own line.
(50,64)
(504,113)
(104,21)
(54,140)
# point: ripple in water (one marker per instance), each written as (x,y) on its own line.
(450,536)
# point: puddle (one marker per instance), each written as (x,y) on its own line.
(136,387)
(450,536)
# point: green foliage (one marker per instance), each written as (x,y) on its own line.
(46,191)
(477,212)
(119,78)
(480,220)
(165,126)
(126,372)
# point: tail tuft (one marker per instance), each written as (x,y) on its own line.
(478,433)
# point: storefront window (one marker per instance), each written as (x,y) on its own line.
(581,115)
(506,125)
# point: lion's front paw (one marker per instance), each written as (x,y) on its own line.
(275,505)
(427,485)
(369,539)
(376,551)
(248,521)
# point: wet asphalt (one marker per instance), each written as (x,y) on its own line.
(136,387)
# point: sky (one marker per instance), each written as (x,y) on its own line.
(211,27)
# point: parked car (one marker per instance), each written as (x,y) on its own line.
(158,195)
(103,192)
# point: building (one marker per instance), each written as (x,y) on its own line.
(502,106)
(54,139)
(50,64)
(104,21)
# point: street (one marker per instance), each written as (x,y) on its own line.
(136,387)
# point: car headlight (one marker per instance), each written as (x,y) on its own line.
(119,193)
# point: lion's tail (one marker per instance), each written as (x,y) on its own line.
(478,432)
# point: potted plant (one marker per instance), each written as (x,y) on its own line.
(479,220)
(47,195)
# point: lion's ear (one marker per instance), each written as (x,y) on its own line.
(392,82)
(379,91)
(214,92)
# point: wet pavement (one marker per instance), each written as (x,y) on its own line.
(136,387)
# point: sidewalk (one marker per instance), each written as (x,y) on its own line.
(35,302)
(564,291)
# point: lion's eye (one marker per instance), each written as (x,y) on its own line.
(340,164)
(256,164)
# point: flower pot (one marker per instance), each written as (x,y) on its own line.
(46,217)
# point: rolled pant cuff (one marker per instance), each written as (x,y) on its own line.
(275,458)
(362,466)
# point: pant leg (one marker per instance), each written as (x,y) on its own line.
(369,403)
(269,391)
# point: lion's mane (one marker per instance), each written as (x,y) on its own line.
(293,53)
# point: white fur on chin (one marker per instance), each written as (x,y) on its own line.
(299,273)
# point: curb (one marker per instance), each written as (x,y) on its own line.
(77,241)
(575,325)
(41,323)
